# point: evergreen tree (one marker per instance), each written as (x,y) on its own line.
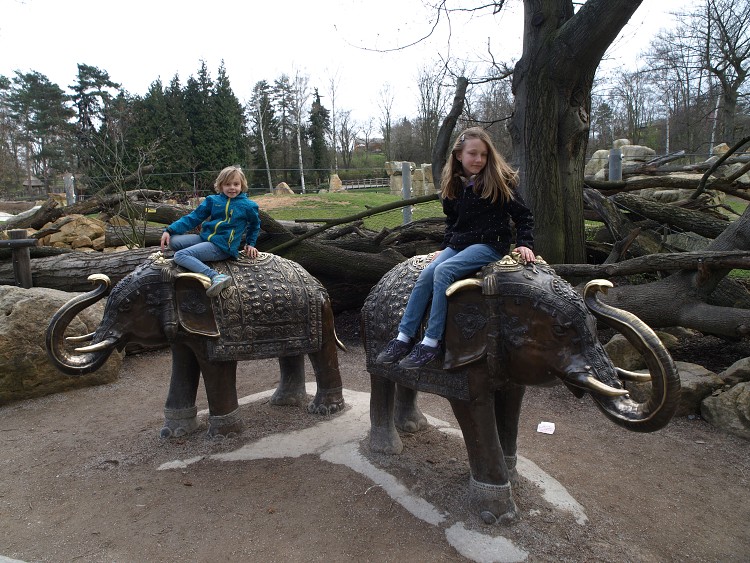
(203,127)
(320,129)
(178,151)
(283,97)
(41,114)
(91,95)
(230,123)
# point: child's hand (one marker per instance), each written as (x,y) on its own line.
(526,253)
(164,240)
(251,251)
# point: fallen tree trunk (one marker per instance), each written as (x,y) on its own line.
(677,218)
(683,299)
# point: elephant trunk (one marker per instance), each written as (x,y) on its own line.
(660,406)
(85,360)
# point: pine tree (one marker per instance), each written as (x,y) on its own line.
(320,129)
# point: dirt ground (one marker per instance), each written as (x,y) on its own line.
(81,481)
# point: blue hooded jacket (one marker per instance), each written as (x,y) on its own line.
(224,221)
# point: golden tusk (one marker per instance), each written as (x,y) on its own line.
(626,375)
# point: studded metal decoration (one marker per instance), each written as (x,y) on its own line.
(273,308)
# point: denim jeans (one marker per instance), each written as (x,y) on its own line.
(449,266)
(191,252)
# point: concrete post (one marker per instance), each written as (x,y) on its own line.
(406,189)
(615,165)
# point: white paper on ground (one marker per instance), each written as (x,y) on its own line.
(546,427)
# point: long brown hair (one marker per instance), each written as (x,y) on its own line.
(496,180)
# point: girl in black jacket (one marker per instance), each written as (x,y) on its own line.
(480,197)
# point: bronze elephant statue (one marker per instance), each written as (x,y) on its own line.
(513,325)
(273,308)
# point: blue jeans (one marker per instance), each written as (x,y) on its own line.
(449,266)
(191,251)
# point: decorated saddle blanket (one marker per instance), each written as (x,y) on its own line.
(273,308)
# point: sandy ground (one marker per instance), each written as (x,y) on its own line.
(85,477)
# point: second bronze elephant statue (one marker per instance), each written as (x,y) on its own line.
(512,326)
(273,308)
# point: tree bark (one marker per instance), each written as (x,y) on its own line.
(552,87)
(672,215)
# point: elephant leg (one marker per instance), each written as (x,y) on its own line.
(329,397)
(384,437)
(408,417)
(180,412)
(507,414)
(489,487)
(220,379)
(291,389)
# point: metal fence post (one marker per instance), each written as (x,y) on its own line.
(615,165)
(406,189)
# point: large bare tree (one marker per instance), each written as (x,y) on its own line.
(552,81)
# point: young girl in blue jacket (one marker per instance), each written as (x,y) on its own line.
(480,197)
(226,216)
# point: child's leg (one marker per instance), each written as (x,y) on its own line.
(178,242)
(193,258)
(468,261)
(420,295)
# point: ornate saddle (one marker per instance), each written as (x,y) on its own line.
(273,308)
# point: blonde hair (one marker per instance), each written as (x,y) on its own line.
(496,180)
(227,174)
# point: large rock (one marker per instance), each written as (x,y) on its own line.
(25,370)
(696,381)
(597,162)
(729,410)
(282,188)
(624,355)
(738,372)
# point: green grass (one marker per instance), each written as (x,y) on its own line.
(344,204)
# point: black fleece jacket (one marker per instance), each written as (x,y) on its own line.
(470,219)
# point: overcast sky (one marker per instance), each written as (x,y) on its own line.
(139,41)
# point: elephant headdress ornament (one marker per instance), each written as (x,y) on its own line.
(273,308)
(513,325)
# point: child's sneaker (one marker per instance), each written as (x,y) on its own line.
(393,352)
(419,356)
(218,283)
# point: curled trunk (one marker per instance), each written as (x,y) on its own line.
(77,363)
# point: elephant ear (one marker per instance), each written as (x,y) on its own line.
(194,308)
(466,326)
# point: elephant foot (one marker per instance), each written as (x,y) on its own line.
(179,422)
(327,401)
(287,398)
(385,440)
(408,417)
(494,502)
(225,426)
(510,463)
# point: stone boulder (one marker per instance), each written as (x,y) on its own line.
(738,372)
(335,184)
(282,188)
(636,153)
(729,410)
(75,231)
(697,383)
(625,356)
(597,162)
(25,370)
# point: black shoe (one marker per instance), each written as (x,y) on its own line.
(420,355)
(394,351)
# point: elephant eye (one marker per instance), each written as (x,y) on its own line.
(125,306)
(559,330)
